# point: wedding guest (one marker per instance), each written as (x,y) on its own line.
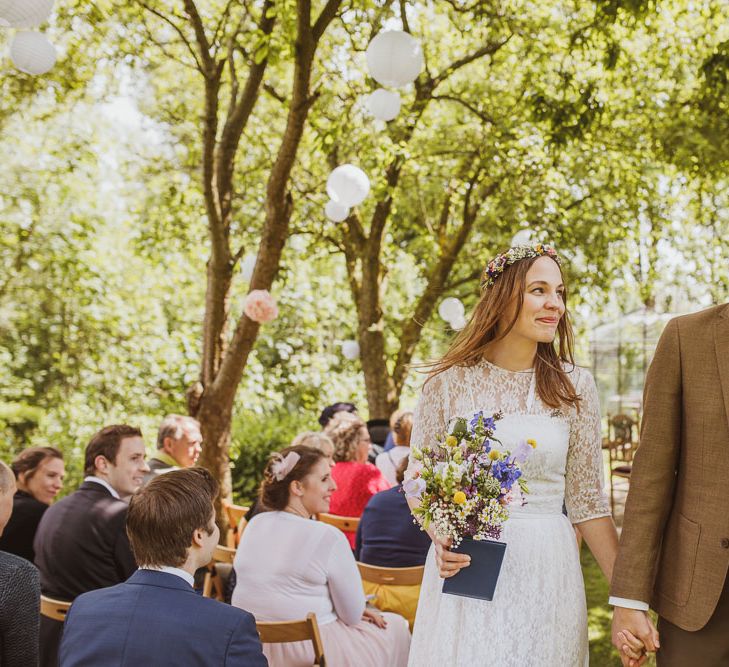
(357,480)
(328,412)
(313,439)
(388,537)
(389,461)
(172,530)
(389,440)
(179,444)
(19,593)
(81,543)
(39,473)
(321,578)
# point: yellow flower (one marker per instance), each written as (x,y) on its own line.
(494,455)
(532,443)
(451,441)
(459,497)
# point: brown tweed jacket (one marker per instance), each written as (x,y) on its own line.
(674,549)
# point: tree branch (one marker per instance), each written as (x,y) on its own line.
(177,29)
(486,50)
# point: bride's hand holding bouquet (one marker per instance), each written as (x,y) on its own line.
(464,485)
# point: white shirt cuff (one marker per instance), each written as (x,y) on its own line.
(628,604)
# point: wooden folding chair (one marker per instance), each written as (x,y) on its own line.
(621,444)
(234,513)
(295,631)
(54,609)
(213,581)
(344,523)
(392,576)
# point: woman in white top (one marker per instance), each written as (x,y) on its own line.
(388,462)
(288,565)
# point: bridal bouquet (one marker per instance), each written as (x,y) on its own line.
(465,484)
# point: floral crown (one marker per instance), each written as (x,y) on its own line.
(497,265)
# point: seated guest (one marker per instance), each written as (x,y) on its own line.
(357,480)
(288,566)
(19,592)
(388,537)
(313,439)
(156,618)
(328,412)
(389,440)
(81,543)
(39,474)
(389,461)
(179,444)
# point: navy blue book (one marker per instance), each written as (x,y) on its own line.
(478,580)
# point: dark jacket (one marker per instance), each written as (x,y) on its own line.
(17,538)
(81,545)
(19,612)
(387,536)
(157,619)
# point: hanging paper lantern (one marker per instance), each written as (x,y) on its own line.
(348,185)
(24,13)
(522,237)
(450,309)
(247,266)
(32,53)
(336,212)
(394,58)
(260,306)
(350,349)
(458,323)
(383,104)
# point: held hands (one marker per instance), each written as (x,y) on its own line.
(449,563)
(634,635)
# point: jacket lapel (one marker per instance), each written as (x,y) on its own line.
(721,342)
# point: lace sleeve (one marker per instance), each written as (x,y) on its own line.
(429,418)
(584,495)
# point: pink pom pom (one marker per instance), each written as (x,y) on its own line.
(260,306)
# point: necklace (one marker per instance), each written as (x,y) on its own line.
(296,511)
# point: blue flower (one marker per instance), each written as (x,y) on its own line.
(486,445)
(474,422)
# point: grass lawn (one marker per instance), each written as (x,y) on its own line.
(599,615)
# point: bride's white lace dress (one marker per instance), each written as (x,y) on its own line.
(538,616)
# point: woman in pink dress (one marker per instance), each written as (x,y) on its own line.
(357,480)
(288,566)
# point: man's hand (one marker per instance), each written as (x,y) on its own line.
(633,634)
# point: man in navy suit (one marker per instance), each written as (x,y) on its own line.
(155,617)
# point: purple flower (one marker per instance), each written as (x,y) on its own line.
(474,422)
(522,452)
(414,488)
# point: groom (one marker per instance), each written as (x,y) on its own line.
(674,549)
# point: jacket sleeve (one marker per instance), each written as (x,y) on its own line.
(245,646)
(653,476)
(20,616)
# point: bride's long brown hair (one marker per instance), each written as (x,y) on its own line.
(506,296)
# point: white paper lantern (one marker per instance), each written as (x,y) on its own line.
(458,323)
(247,266)
(394,58)
(24,13)
(350,349)
(522,237)
(451,308)
(383,104)
(336,212)
(348,185)
(32,53)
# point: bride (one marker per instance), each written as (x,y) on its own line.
(506,360)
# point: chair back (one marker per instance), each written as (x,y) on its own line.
(392,576)
(294,631)
(213,584)
(622,438)
(54,609)
(234,514)
(344,523)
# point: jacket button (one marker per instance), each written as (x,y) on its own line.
(725,543)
